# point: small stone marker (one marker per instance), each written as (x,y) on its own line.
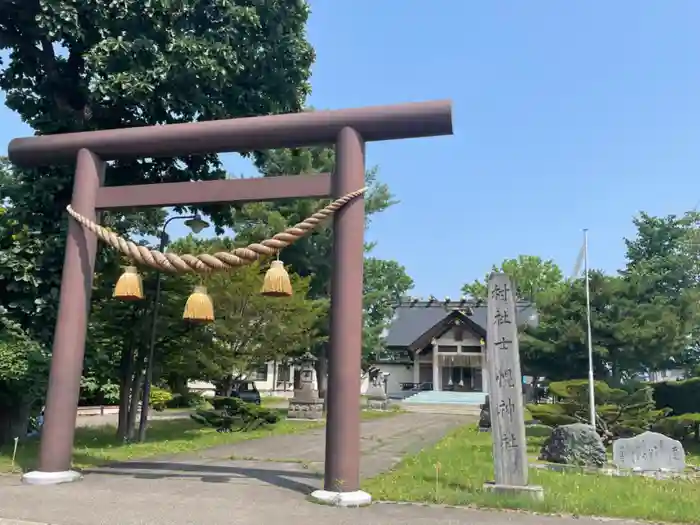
(505,392)
(649,451)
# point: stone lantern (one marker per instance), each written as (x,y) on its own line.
(377,398)
(306,404)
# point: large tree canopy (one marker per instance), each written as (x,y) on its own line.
(97,64)
(81,65)
(629,336)
(100,64)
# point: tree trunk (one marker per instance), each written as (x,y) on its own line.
(178,384)
(615,371)
(322,371)
(14,421)
(226,386)
(322,376)
(134,402)
(126,370)
(274,377)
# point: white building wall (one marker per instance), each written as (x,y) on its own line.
(468,339)
(264,386)
(398,373)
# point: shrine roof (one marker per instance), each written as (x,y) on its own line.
(414,317)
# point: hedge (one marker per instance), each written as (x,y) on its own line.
(683,397)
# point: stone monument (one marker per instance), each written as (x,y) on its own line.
(377,398)
(306,404)
(649,452)
(575,444)
(505,393)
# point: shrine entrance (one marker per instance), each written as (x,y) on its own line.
(348,130)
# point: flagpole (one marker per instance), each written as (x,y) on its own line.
(591,380)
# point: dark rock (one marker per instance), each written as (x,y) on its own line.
(576,444)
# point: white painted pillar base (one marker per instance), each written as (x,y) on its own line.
(357,498)
(36,477)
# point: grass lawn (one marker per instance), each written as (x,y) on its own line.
(95,446)
(454,471)
(273,400)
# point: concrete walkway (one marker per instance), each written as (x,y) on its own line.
(265,483)
(113,419)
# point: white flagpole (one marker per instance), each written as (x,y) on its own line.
(591,381)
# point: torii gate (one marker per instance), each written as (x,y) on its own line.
(348,129)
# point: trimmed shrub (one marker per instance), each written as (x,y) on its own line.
(682,397)
(680,427)
(188,400)
(159,398)
(620,413)
(538,431)
(230,414)
(552,415)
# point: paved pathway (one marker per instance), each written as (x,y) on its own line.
(113,419)
(265,484)
(383,443)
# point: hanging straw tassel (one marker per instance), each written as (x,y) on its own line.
(129,286)
(277,283)
(199,307)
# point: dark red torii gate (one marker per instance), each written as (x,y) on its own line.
(348,129)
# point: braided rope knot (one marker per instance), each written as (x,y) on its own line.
(205,263)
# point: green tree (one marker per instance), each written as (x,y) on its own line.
(7,178)
(115,356)
(533,277)
(385,282)
(310,256)
(98,64)
(86,65)
(557,348)
(663,264)
(23,377)
(251,329)
(620,413)
(631,334)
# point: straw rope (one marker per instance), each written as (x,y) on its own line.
(205,263)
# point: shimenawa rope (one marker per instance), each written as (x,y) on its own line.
(205,263)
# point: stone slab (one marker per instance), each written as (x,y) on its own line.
(377,404)
(305,409)
(649,451)
(531,491)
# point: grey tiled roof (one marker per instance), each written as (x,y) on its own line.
(414,319)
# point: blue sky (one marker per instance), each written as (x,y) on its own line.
(567,115)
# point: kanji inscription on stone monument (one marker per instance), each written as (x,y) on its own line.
(506,397)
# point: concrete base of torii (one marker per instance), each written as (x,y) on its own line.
(357,498)
(36,477)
